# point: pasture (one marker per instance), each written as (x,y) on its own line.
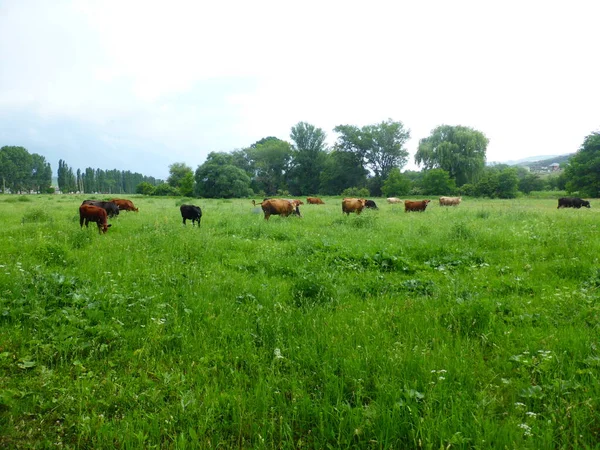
(474,326)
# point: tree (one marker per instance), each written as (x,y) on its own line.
(458,150)
(582,174)
(508,182)
(15,168)
(270,159)
(531,182)
(181,177)
(66,178)
(219,178)
(144,188)
(396,184)
(381,145)
(308,157)
(437,182)
(340,171)
(41,174)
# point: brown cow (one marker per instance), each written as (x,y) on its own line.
(450,201)
(278,207)
(314,201)
(393,200)
(353,205)
(91,213)
(294,202)
(124,205)
(419,205)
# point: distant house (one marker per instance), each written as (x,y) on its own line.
(554,166)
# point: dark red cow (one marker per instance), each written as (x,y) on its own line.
(124,205)
(91,213)
(420,205)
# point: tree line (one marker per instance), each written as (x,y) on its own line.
(22,171)
(368,161)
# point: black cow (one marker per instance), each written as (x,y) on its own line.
(572,202)
(111,208)
(370,204)
(191,212)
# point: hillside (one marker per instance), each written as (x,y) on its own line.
(537,165)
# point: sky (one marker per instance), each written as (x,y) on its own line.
(139,85)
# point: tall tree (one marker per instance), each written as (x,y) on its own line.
(41,174)
(15,168)
(583,171)
(307,158)
(181,177)
(342,170)
(380,145)
(271,159)
(458,150)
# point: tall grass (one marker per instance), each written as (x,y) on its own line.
(473,327)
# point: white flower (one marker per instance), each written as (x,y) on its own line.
(531,414)
(277,353)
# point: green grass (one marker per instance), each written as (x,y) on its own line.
(467,327)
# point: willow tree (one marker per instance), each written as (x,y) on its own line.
(458,150)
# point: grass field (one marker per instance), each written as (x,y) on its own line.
(476,326)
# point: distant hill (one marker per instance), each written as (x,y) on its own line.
(537,164)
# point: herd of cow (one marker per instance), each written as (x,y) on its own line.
(99,211)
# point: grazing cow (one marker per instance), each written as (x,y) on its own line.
(314,201)
(353,205)
(420,205)
(124,205)
(393,200)
(111,208)
(572,202)
(370,204)
(191,212)
(91,213)
(450,201)
(278,207)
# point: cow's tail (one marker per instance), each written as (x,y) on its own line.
(253,203)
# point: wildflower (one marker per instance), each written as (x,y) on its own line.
(520,405)
(531,414)
(277,353)
(526,429)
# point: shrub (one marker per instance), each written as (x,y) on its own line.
(356,192)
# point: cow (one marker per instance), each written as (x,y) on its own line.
(124,205)
(191,212)
(393,200)
(111,208)
(370,204)
(91,213)
(353,205)
(420,205)
(572,202)
(295,202)
(314,201)
(278,207)
(450,201)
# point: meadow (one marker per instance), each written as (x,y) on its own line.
(474,326)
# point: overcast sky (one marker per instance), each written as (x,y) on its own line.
(139,85)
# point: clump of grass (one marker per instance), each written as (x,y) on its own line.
(17,198)
(37,215)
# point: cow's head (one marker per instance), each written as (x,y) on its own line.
(586,204)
